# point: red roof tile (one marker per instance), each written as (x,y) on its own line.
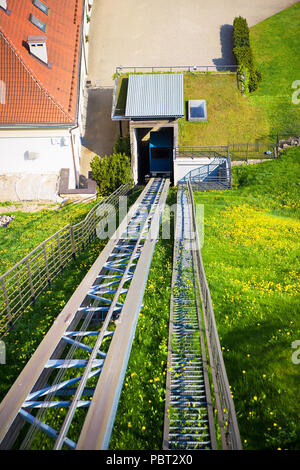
(36,93)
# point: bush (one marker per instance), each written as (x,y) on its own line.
(111,171)
(243,53)
(244,56)
(122,145)
(241,34)
(254,79)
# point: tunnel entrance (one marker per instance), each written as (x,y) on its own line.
(154,152)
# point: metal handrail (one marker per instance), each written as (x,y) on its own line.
(24,282)
(180,68)
(201,152)
(226,411)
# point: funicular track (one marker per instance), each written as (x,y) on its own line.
(70,388)
(194,349)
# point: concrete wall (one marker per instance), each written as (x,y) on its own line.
(183,166)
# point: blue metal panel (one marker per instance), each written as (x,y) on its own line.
(158,142)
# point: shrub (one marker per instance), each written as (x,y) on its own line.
(122,145)
(241,35)
(110,172)
(254,79)
(243,53)
(243,56)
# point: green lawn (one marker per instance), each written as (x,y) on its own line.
(258,116)
(29,229)
(276,44)
(230,116)
(251,261)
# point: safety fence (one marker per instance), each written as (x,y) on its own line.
(24,282)
(252,151)
(177,69)
(198,152)
(244,151)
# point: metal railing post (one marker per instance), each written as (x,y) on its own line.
(3,286)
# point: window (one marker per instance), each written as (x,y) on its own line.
(39,24)
(161,153)
(41,6)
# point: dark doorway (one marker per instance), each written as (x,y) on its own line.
(143,141)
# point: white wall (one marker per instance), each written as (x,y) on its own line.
(182,166)
(54,153)
(134,157)
(84,67)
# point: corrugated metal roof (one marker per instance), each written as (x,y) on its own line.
(155,95)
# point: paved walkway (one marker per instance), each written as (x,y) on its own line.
(28,187)
(168,32)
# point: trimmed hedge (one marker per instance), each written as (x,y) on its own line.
(241,35)
(244,56)
(243,53)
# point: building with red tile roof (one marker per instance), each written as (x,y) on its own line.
(42,65)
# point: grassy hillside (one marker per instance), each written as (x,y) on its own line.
(251,260)
(276,44)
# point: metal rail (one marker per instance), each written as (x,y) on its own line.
(93,334)
(189,422)
(201,152)
(177,68)
(228,426)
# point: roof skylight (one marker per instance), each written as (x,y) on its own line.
(41,6)
(39,24)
